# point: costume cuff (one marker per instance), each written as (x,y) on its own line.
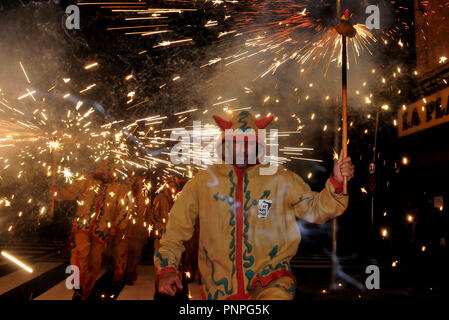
(337,185)
(166,270)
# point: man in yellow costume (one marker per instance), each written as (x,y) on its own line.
(102,213)
(247,218)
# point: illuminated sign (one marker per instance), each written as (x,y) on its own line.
(425,113)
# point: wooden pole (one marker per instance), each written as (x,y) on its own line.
(334,260)
(344,113)
(334,221)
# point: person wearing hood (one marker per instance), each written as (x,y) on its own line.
(102,212)
(247,217)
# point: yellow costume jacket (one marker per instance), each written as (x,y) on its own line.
(247,220)
(248,228)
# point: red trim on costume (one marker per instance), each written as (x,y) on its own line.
(203,294)
(337,185)
(89,233)
(239,231)
(166,270)
(265,280)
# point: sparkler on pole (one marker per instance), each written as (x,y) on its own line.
(345,29)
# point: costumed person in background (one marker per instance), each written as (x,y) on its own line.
(101,213)
(247,215)
(138,226)
(162,204)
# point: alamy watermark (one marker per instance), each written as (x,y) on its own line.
(73,17)
(373,280)
(72,281)
(373,20)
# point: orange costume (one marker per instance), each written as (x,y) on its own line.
(102,212)
(162,204)
(247,219)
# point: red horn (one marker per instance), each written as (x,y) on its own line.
(222,123)
(263,122)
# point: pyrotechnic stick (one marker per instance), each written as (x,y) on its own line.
(344,112)
(345,29)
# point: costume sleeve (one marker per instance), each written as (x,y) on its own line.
(124,207)
(180,227)
(315,207)
(72,191)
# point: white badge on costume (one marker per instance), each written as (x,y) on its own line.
(264,208)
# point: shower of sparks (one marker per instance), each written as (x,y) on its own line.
(32,127)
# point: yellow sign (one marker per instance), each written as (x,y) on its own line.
(425,113)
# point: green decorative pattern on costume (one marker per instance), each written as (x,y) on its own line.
(230,201)
(269,268)
(222,282)
(125,214)
(226,199)
(245,235)
(247,194)
(232,253)
(249,259)
(99,233)
(248,197)
(292,289)
(274,252)
(266,194)
(163,262)
(249,274)
(243,115)
(230,175)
